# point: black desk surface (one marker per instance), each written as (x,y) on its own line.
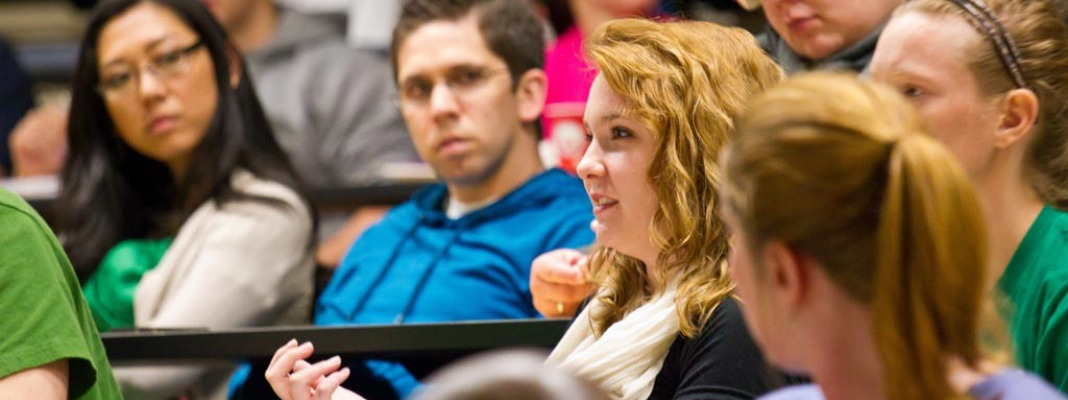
(403,342)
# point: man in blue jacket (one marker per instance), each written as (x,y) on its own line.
(471,90)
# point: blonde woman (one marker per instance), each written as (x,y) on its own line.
(991,80)
(859,249)
(663,324)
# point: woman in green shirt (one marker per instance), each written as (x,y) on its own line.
(49,346)
(991,80)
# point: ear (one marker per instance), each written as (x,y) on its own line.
(1019,113)
(234,59)
(786,272)
(530,95)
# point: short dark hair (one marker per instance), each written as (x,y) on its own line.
(509,28)
(112,193)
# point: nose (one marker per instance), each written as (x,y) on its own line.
(443,102)
(149,85)
(591,165)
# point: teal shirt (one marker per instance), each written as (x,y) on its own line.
(1036,285)
(45,318)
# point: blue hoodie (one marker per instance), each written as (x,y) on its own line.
(417,265)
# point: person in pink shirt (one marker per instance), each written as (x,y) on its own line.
(570,75)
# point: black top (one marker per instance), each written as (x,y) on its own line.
(722,364)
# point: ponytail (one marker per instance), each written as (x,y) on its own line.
(887,211)
(924,306)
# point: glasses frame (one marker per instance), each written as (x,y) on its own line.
(150,66)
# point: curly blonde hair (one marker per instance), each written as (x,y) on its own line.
(686,81)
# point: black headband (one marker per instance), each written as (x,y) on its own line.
(1006,48)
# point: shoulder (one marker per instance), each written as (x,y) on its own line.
(1014,384)
(722,362)
(21,228)
(268,211)
(261,189)
(14,207)
(724,336)
(1059,220)
(727,318)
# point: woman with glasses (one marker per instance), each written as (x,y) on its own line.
(175,190)
(859,250)
(991,80)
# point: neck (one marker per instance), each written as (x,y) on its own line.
(179,168)
(1010,206)
(256,28)
(846,364)
(520,164)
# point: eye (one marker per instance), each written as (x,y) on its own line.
(416,90)
(168,61)
(115,81)
(466,77)
(620,133)
(912,92)
(588,136)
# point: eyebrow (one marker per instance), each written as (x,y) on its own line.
(610,117)
(607,118)
(913,71)
(151,45)
(447,70)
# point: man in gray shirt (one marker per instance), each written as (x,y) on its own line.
(329,104)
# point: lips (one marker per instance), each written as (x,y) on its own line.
(452,146)
(800,25)
(162,124)
(602,203)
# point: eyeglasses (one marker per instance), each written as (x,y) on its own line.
(462,82)
(120,85)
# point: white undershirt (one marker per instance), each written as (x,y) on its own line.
(455,209)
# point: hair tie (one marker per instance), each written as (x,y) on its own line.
(996,32)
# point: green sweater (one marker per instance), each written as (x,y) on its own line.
(1036,285)
(45,318)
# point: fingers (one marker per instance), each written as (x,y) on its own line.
(301,364)
(326,387)
(558,282)
(281,350)
(554,300)
(282,364)
(560,266)
(302,382)
(556,292)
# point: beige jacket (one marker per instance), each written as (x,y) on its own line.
(246,264)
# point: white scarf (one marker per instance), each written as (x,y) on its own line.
(626,359)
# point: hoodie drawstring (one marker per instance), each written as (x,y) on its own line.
(384,270)
(424,278)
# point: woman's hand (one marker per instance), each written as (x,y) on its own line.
(558,282)
(293,378)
